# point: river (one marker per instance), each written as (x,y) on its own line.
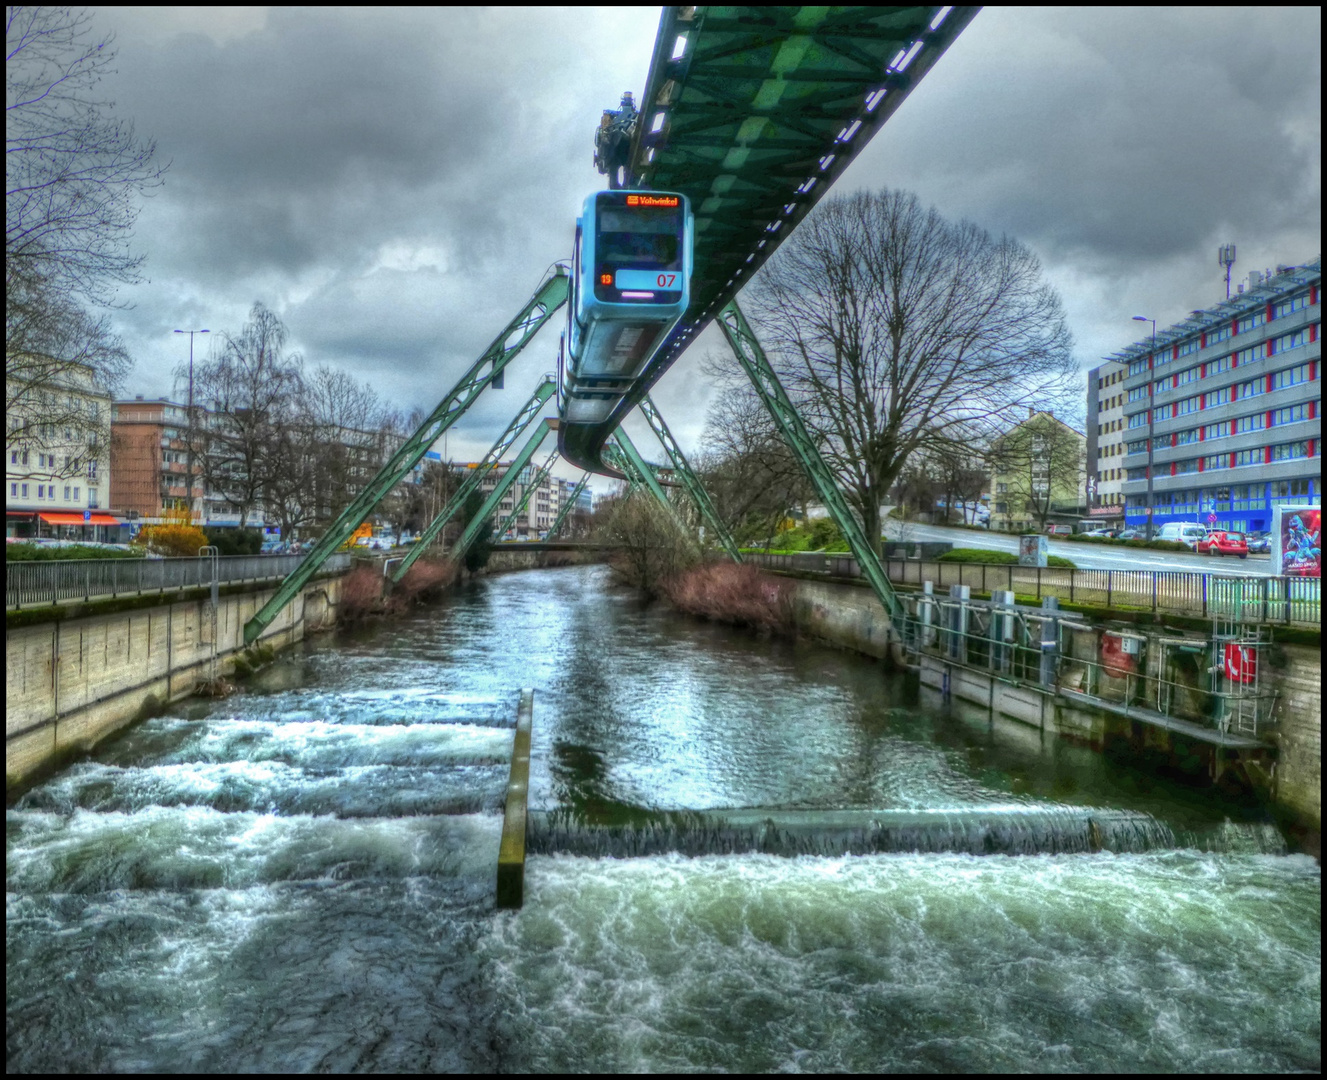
(300,877)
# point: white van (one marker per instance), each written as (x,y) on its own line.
(1186,532)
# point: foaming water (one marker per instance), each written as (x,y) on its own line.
(1174,961)
(301,877)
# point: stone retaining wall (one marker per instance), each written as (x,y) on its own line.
(71,682)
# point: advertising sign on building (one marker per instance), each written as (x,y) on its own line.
(1032,550)
(1297,541)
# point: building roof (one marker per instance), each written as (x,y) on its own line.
(1286,279)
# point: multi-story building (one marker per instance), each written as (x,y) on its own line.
(540,510)
(150,463)
(1225,408)
(1038,474)
(58,463)
(1105,443)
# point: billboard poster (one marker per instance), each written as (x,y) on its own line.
(1297,541)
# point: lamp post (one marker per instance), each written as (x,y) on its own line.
(1151,383)
(189,448)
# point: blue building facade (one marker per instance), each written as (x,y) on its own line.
(1231,402)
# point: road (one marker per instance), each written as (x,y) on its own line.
(1087,556)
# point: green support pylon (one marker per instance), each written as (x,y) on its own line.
(523,418)
(504,485)
(550,296)
(567,507)
(752,358)
(623,456)
(689,479)
(524,501)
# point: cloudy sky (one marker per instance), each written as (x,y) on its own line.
(394,184)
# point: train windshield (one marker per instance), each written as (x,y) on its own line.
(639,237)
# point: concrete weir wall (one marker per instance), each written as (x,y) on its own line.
(71,682)
(849,616)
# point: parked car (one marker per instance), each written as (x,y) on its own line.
(1059,530)
(1185,532)
(1259,542)
(1131,534)
(272,547)
(1220,542)
(1108,534)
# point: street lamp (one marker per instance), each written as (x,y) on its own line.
(189,448)
(1150,412)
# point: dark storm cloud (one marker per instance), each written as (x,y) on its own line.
(1120,134)
(394,183)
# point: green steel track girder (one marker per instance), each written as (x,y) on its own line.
(504,485)
(528,412)
(550,296)
(754,362)
(753,113)
(689,479)
(567,507)
(529,489)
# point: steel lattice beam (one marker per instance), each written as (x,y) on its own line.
(621,453)
(550,296)
(689,479)
(754,362)
(567,507)
(523,418)
(503,486)
(528,489)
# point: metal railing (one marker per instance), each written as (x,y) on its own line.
(1043,648)
(40,584)
(1294,601)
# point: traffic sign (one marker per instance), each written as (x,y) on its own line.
(87,516)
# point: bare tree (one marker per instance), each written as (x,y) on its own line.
(650,546)
(71,170)
(893,328)
(252,390)
(1040,463)
(59,379)
(752,476)
(71,174)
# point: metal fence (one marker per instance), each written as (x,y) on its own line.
(1295,601)
(39,584)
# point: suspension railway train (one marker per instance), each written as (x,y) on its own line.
(630,286)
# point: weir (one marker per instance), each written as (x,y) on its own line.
(1016,830)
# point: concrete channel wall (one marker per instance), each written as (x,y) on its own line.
(72,681)
(849,616)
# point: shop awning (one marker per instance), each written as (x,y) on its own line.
(77,519)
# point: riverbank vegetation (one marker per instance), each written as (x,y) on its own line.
(733,593)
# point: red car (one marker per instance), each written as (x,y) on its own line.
(1224,543)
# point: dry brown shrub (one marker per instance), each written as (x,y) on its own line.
(361,594)
(425,579)
(734,593)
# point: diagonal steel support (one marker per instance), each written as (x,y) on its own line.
(689,479)
(565,510)
(528,412)
(529,489)
(550,296)
(623,455)
(754,362)
(504,485)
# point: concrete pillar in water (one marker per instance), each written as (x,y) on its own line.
(925,608)
(959,595)
(1050,642)
(511,851)
(1002,629)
